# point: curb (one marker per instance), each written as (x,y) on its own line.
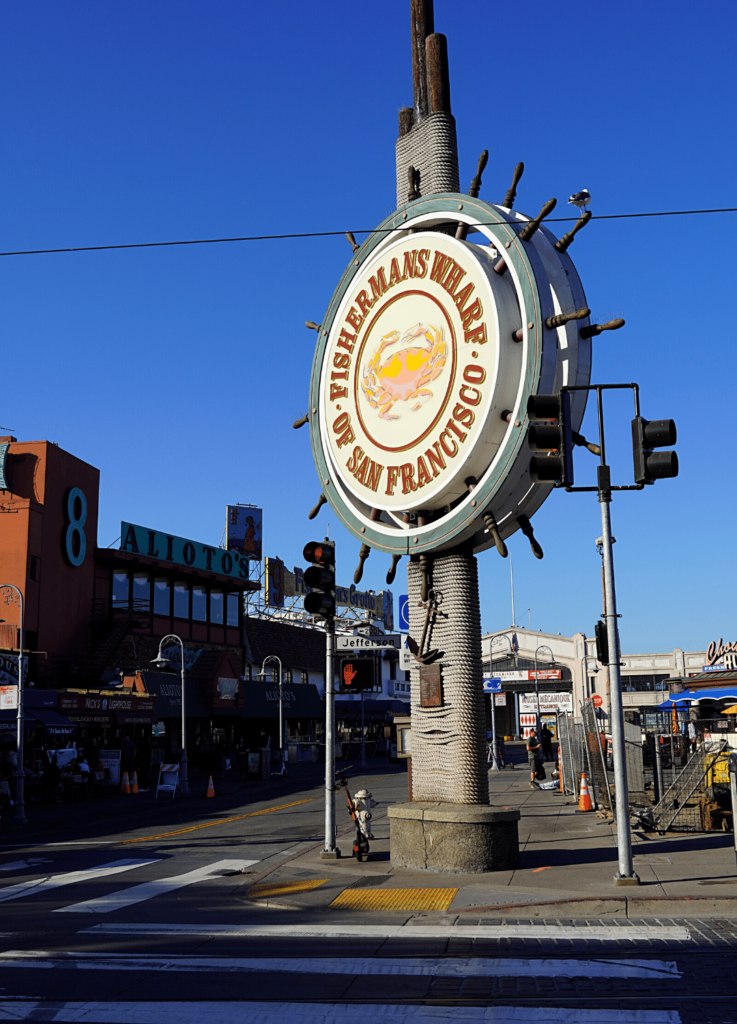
(604,906)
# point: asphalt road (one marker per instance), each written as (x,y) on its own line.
(155,924)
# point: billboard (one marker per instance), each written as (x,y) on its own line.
(275,582)
(281,583)
(243,530)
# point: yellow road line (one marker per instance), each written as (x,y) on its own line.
(222,821)
(394,899)
(283,888)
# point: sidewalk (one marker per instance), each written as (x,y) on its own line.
(567,866)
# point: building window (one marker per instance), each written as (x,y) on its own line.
(232,608)
(162,597)
(121,590)
(304,677)
(592,684)
(407,677)
(216,607)
(287,677)
(643,683)
(141,592)
(181,601)
(199,604)
(33,569)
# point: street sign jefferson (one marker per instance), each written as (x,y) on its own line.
(368,643)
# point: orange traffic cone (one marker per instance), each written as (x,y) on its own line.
(134,784)
(584,799)
(125,785)
(210,789)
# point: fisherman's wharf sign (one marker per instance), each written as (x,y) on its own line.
(424,363)
(413,360)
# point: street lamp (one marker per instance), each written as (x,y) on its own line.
(542,647)
(262,675)
(495,766)
(588,657)
(19,817)
(161,662)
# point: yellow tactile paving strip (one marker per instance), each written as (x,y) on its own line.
(284,888)
(394,899)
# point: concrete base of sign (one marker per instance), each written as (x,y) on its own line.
(457,838)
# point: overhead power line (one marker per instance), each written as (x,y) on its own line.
(328,234)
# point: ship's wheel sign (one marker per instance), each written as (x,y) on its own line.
(419,384)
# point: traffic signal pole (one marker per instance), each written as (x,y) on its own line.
(626,874)
(331,849)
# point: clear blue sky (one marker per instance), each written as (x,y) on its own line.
(179,371)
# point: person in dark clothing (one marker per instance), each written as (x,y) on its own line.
(546,742)
(128,751)
(533,756)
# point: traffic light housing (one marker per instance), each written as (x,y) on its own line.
(356,674)
(602,643)
(555,436)
(320,578)
(650,465)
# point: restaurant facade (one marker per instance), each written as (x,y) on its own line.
(95,618)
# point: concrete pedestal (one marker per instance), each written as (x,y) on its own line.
(461,838)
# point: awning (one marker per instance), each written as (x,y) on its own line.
(9,722)
(692,696)
(91,717)
(167,688)
(299,700)
(136,718)
(379,708)
(54,723)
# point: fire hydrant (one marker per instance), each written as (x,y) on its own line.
(363,802)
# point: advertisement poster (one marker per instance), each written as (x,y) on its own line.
(274,589)
(243,530)
(550,703)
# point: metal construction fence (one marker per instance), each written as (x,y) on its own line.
(674,783)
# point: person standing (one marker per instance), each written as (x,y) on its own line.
(546,741)
(128,751)
(533,756)
(693,736)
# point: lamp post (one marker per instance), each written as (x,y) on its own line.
(588,657)
(19,817)
(495,766)
(160,661)
(542,647)
(262,675)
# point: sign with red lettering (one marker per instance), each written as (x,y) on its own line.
(425,359)
(598,700)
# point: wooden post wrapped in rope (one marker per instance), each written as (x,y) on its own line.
(449,740)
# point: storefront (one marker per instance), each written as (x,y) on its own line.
(303,713)
(104,717)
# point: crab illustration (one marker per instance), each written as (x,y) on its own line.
(405,373)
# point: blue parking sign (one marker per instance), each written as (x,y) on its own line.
(404,613)
(492,685)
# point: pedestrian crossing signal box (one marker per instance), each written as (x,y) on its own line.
(357,674)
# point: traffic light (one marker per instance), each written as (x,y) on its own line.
(320,578)
(356,674)
(649,465)
(553,436)
(602,643)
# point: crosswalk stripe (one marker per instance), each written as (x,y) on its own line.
(615,933)
(14,892)
(148,890)
(436,967)
(314,1013)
